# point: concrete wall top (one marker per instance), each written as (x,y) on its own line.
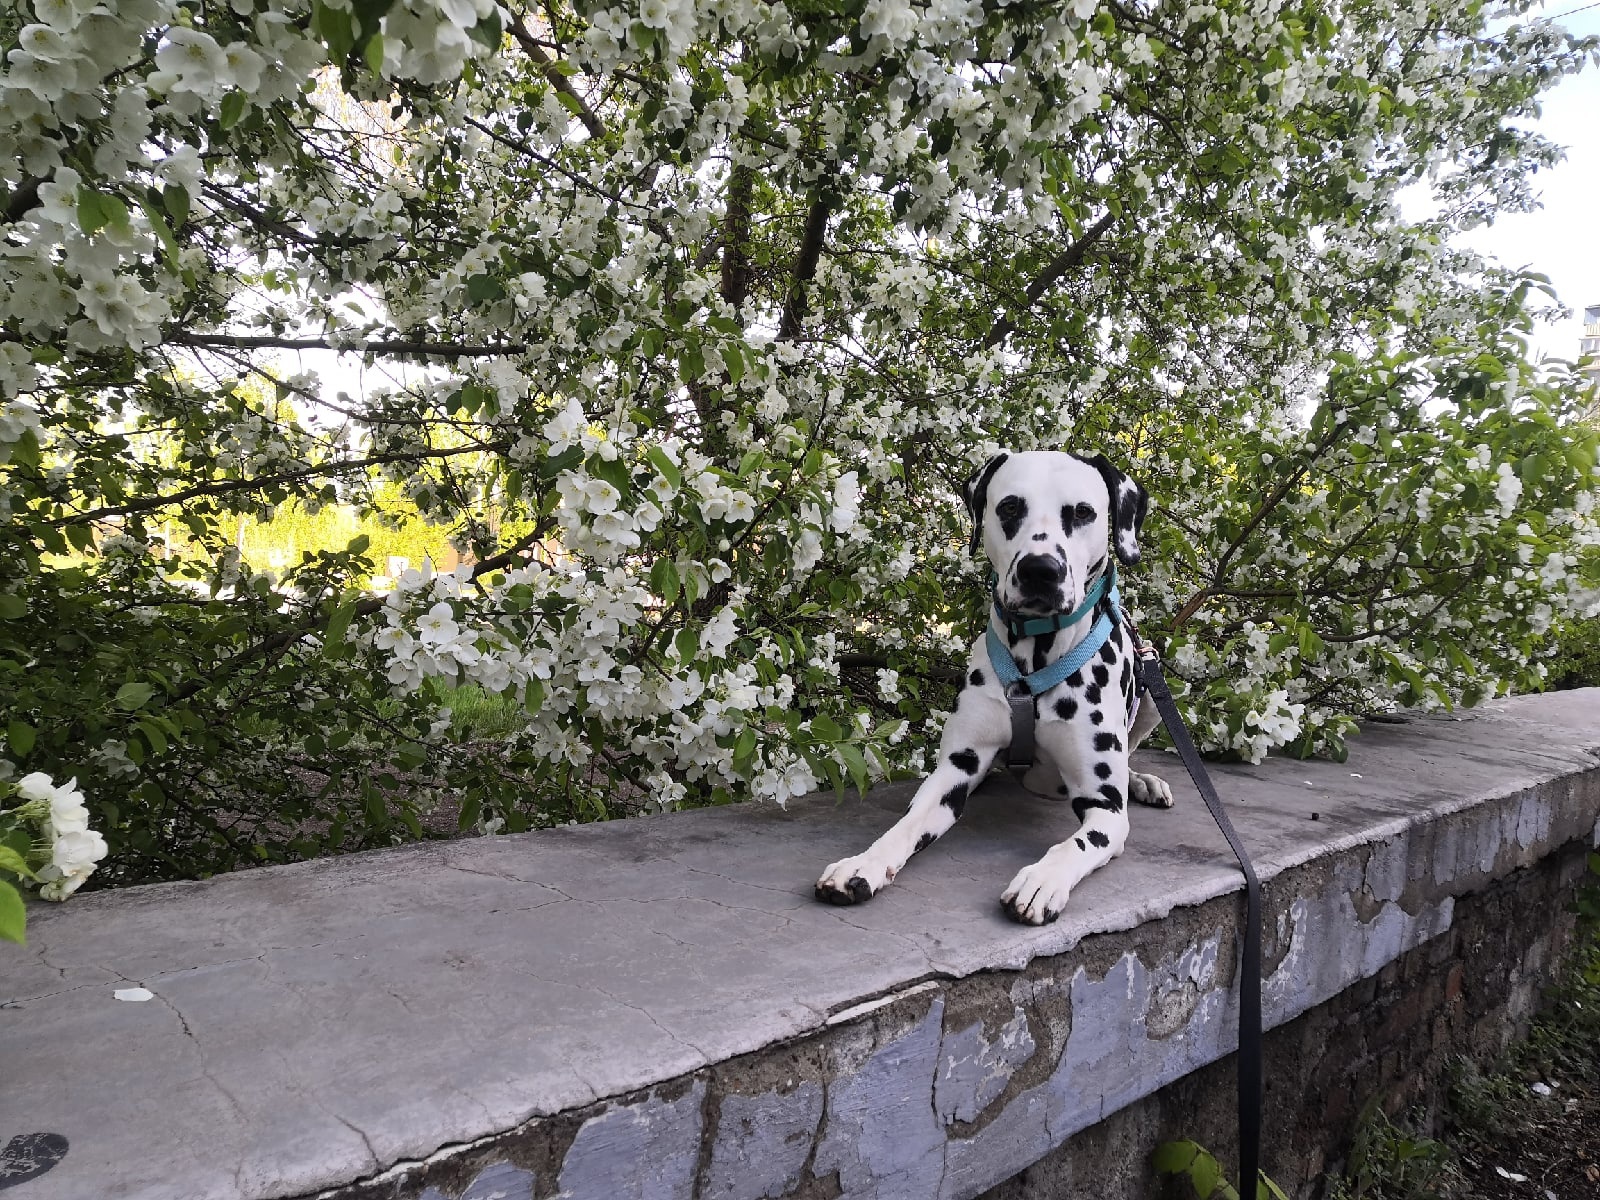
(318,1024)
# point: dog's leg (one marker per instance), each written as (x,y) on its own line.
(1144,788)
(971,739)
(1094,768)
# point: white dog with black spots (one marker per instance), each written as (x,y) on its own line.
(1043,518)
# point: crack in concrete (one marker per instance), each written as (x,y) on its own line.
(705,1059)
(377,1163)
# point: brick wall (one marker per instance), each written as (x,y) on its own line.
(1390,1039)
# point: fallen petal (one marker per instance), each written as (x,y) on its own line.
(133,994)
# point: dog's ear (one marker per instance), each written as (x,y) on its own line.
(1129,503)
(976,493)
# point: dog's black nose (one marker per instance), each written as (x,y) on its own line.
(1037,572)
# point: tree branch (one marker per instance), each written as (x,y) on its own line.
(23,201)
(223,487)
(1054,270)
(231,341)
(823,203)
(316,619)
(547,68)
(735,238)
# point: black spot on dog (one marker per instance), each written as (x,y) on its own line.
(1107,741)
(1066,708)
(976,678)
(967,760)
(1021,666)
(1113,794)
(1061,789)
(1101,675)
(1012,638)
(1082,804)
(1075,680)
(956,798)
(1108,652)
(923,842)
(1076,516)
(1092,693)
(1127,674)
(1102,770)
(1099,565)
(1041,648)
(1096,838)
(1012,511)
(1096,717)
(1079,841)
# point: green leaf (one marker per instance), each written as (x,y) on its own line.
(669,471)
(175,199)
(13,915)
(856,761)
(334,26)
(664,579)
(487,32)
(483,288)
(234,105)
(96,210)
(134,695)
(12,861)
(163,232)
(20,737)
(373,54)
(12,606)
(825,729)
(154,735)
(687,644)
(533,695)
(333,639)
(744,749)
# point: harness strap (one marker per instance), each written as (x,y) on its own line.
(1151,679)
(1021,689)
(1052,674)
(1021,626)
(1019,753)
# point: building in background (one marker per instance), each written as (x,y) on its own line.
(1589,344)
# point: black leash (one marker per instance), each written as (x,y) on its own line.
(1154,683)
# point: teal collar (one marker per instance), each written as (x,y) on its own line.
(1053,674)
(1020,626)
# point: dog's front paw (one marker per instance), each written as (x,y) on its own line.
(1038,894)
(853,880)
(1149,789)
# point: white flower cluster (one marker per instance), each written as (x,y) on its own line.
(429,40)
(444,640)
(60,815)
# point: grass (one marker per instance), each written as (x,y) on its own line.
(476,714)
(1530,1128)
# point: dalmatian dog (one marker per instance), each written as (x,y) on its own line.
(1043,518)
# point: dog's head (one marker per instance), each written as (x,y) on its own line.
(1043,517)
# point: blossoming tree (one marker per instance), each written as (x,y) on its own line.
(688,319)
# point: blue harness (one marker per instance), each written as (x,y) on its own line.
(1020,688)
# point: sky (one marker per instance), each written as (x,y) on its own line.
(1562,240)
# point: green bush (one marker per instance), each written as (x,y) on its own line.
(1574,655)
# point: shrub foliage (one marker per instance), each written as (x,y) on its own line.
(684,321)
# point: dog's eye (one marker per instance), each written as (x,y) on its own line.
(1008,509)
(1084,513)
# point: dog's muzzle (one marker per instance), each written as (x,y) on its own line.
(1039,580)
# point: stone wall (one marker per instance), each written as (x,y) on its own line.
(660,1010)
(1388,1041)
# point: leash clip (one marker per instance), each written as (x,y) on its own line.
(1142,649)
